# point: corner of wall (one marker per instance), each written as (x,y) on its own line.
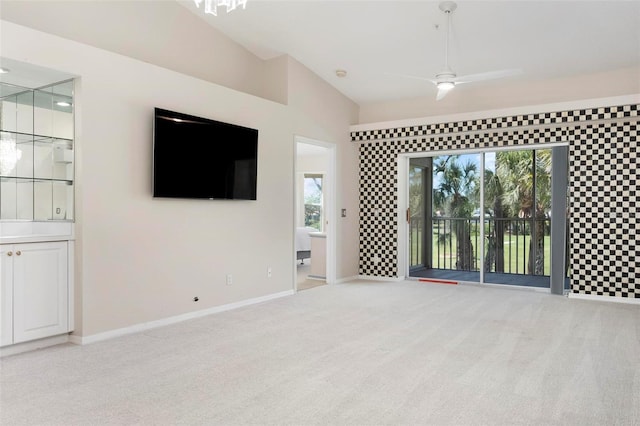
(317,97)
(276,78)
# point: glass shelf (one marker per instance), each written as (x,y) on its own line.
(26,138)
(8,178)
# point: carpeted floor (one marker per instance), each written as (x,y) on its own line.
(361,353)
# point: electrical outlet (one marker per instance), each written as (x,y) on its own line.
(269,272)
(229,279)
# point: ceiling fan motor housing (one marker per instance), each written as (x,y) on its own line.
(446,75)
(446,79)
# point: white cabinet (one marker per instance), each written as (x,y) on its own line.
(34,301)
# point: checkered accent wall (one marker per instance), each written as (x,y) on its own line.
(603,180)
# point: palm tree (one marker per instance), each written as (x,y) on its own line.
(457,184)
(495,246)
(526,193)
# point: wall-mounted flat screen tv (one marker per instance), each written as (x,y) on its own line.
(195,157)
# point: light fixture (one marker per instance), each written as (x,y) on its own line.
(63,104)
(4,70)
(445,85)
(341,73)
(211,6)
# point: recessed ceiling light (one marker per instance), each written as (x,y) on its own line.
(341,73)
(4,70)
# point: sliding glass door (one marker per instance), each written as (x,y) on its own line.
(444,231)
(418,213)
(517,201)
(486,217)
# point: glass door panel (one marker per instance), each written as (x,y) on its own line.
(517,204)
(455,217)
(419,196)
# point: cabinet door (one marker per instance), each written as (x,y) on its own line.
(6,295)
(40,286)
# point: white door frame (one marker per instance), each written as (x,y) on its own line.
(402,179)
(329,192)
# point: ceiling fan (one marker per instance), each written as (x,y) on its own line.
(447,79)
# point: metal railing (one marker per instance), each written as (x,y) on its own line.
(516,247)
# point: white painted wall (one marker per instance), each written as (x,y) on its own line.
(319,114)
(166,34)
(276,78)
(316,163)
(141,259)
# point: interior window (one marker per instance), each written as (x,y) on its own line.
(313,201)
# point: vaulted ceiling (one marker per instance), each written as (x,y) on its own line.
(566,50)
(378,41)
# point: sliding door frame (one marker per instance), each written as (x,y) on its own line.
(403,204)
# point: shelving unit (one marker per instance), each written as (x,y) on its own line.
(36,212)
(36,153)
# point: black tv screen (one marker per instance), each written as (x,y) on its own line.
(195,157)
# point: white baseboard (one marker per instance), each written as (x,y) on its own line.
(85,340)
(19,348)
(595,297)
(316,277)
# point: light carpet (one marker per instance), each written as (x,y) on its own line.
(360,353)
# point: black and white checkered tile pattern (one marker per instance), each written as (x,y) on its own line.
(500,123)
(603,177)
(605,211)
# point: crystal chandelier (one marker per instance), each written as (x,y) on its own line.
(211,6)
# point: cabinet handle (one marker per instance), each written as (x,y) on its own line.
(18,253)
(9,253)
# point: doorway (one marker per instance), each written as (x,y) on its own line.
(486,217)
(314,217)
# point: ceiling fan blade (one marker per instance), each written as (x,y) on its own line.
(487,75)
